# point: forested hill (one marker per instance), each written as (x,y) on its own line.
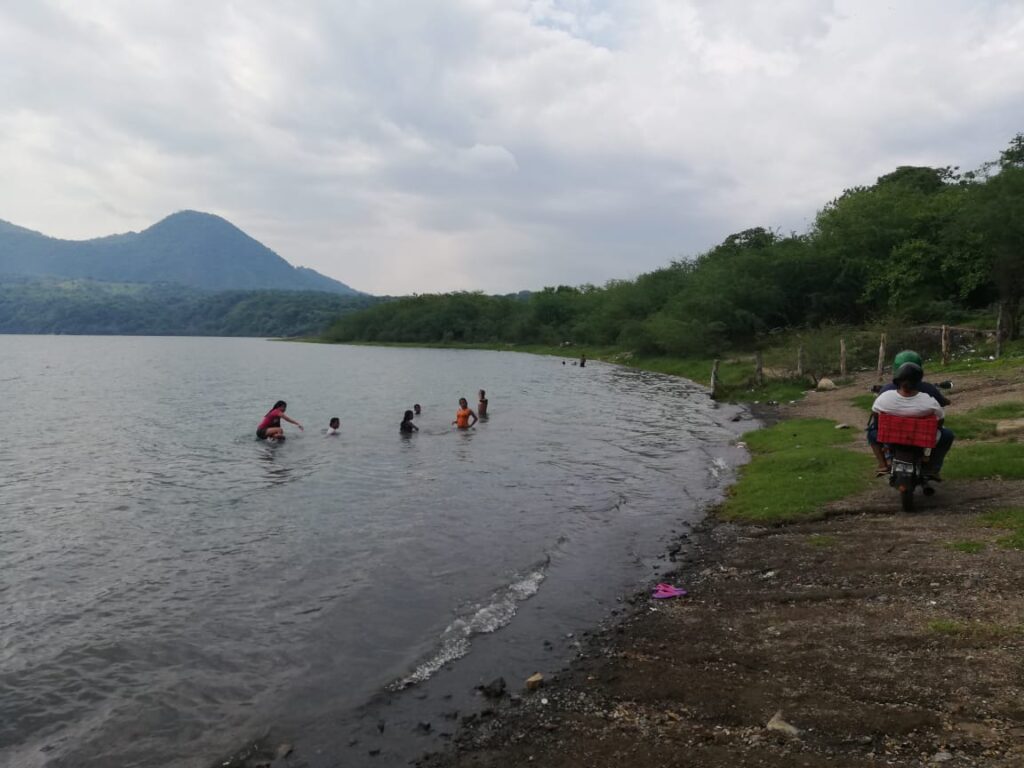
(919,244)
(189,248)
(50,305)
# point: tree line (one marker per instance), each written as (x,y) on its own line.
(91,307)
(919,244)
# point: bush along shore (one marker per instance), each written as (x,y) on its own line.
(823,626)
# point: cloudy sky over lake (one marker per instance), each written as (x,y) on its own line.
(421,145)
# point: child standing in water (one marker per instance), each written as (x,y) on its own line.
(481,406)
(407,427)
(270,427)
(335,426)
(463,415)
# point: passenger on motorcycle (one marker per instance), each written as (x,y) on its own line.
(906,356)
(908,399)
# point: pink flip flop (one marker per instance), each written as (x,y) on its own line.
(665,591)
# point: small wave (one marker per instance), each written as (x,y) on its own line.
(498,611)
(718,465)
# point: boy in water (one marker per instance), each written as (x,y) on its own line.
(463,415)
(335,426)
(481,406)
(416,409)
(407,427)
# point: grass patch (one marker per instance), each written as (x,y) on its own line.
(1014,410)
(864,402)
(970,547)
(1011,520)
(985,461)
(967,426)
(947,627)
(797,433)
(797,466)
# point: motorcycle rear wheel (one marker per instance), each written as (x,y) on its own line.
(907,499)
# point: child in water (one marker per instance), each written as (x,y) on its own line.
(463,415)
(335,426)
(481,406)
(417,409)
(270,427)
(407,427)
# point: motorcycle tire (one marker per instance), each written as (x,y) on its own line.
(907,500)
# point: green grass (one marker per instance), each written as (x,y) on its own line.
(985,461)
(967,426)
(864,402)
(1010,519)
(970,547)
(796,468)
(947,627)
(1012,410)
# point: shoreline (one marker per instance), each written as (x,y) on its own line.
(853,626)
(861,637)
(858,655)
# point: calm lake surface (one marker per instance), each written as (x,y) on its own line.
(171,587)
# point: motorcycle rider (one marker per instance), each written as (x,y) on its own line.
(908,398)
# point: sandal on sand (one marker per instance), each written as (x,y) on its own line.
(664,591)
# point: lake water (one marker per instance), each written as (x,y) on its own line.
(170,587)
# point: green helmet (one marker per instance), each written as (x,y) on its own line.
(907,356)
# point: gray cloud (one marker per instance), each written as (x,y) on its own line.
(482,144)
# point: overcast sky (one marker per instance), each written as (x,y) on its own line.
(419,145)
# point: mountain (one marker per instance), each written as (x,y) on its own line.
(188,248)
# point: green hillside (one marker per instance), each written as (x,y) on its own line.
(195,249)
(918,245)
(88,307)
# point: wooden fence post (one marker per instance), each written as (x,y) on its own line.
(945,345)
(881,357)
(842,357)
(714,380)
(759,368)
(999,332)
(800,362)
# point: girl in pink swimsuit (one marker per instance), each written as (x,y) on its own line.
(270,427)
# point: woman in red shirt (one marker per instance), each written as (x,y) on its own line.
(270,427)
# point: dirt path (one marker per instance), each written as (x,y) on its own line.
(878,642)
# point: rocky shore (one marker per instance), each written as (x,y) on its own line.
(855,641)
(868,638)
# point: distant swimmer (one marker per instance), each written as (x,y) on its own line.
(463,415)
(407,427)
(583,360)
(334,428)
(481,406)
(416,408)
(270,427)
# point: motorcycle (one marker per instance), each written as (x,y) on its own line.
(909,443)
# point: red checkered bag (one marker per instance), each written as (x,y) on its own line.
(920,431)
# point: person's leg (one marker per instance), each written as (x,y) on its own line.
(940,450)
(274,432)
(877,449)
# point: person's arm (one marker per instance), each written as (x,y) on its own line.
(475,419)
(290,420)
(414,427)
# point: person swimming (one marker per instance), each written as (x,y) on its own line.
(270,427)
(481,406)
(334,428)
(407,427)
(416,409)
(463,415)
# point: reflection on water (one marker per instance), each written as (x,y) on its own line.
(175,581)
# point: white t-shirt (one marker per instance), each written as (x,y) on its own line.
(920,404)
